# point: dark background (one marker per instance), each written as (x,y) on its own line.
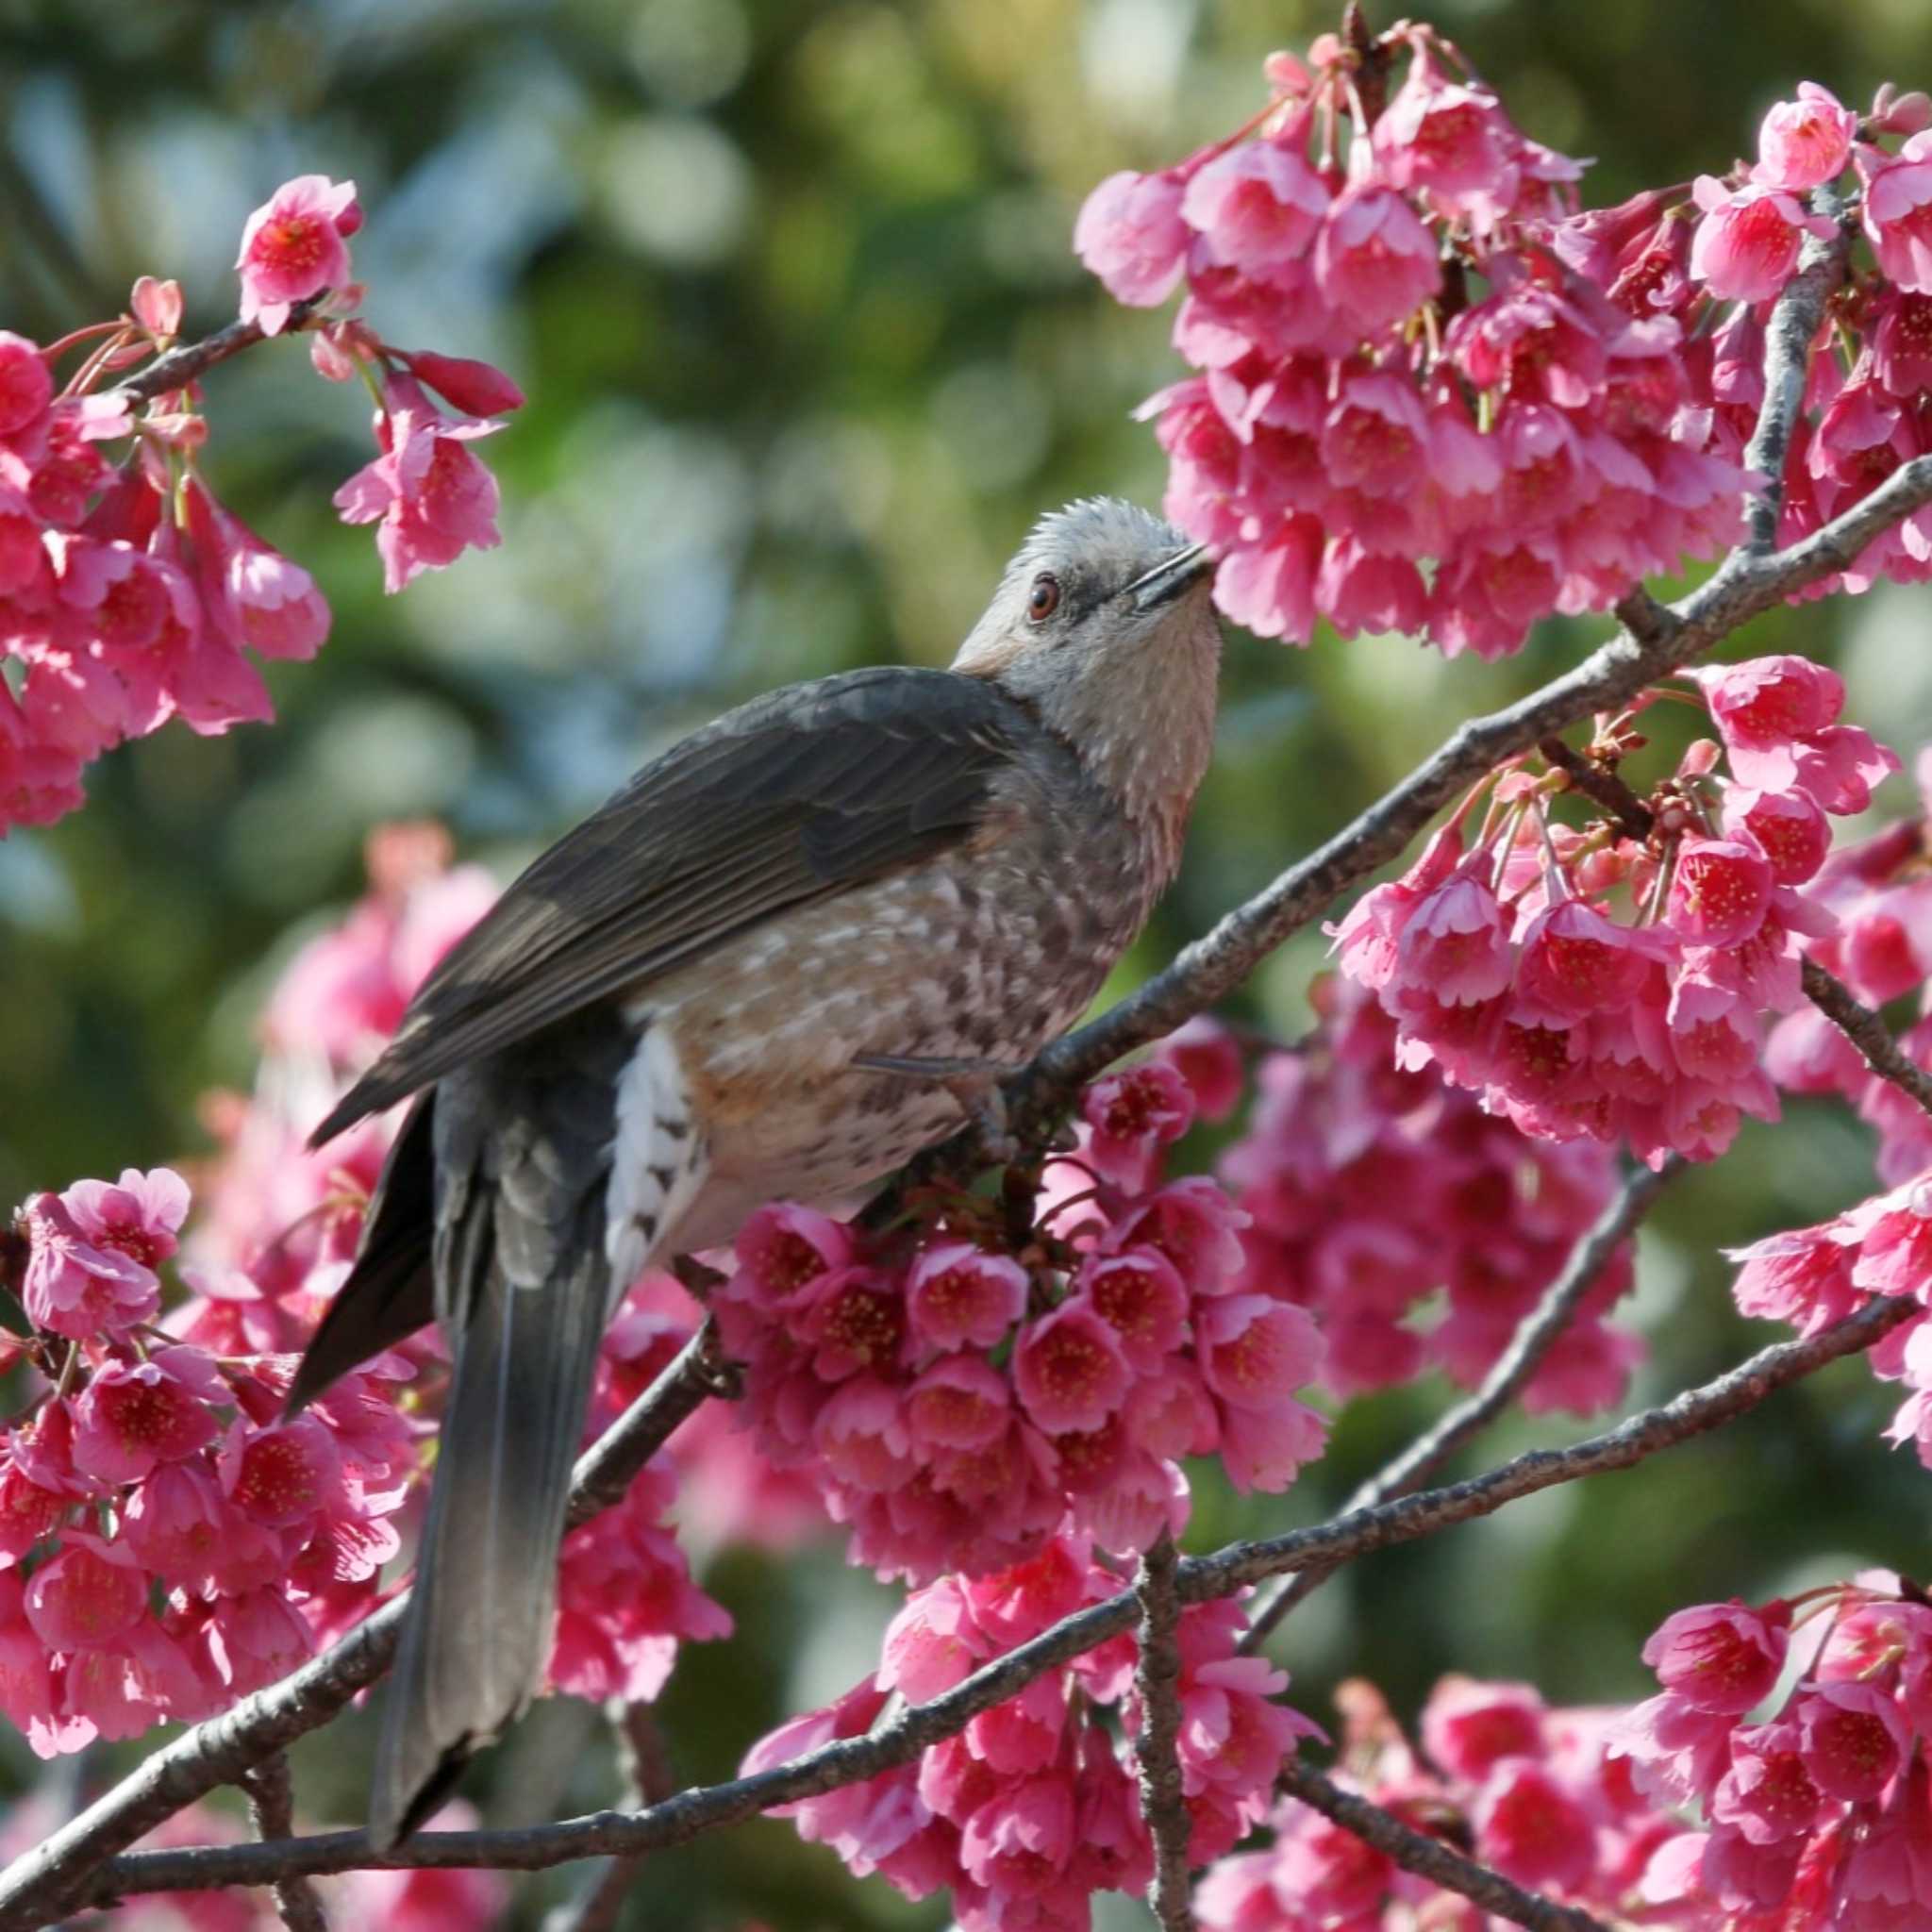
(789,289)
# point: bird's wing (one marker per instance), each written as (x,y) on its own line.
(789,798)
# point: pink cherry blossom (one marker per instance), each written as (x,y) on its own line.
(294,246)
(957,1295)
(1069,1370)
(1897,211)
(1804,142)
(1131,235)
(1746,246)
(1255,207)
(1375,260)
(431,497)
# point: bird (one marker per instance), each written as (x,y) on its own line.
(719,991)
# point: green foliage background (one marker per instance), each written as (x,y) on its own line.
(788,282)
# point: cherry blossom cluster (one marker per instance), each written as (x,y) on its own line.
(1533,1792)
(170,1541)
(128,594)
(956,1391)
(1880,892)
(1372,1187)
(1434,394)
(1033,1807)
(1817,1798)
(1590,984)
(1809,1276)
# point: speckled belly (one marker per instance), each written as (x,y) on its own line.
(926,964)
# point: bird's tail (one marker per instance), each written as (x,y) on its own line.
(478,1632)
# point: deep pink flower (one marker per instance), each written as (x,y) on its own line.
(1721,1657)
(27,386)
(283,1475)
(1018,1843)
(1255,1352)
(1375,260)
(860,1432)
(1529,1828)
(1747,244)
(1899,337)
(1677,1752)
(1467,1726)
(1069,1369)
(1269,587)
(1720,891)
(431,496)
(783,1249)
(1576,962)
(1454,143)
(1456,943)
(961,1402)
(1897,213)
(1209,1057)
(1374,437)
(294,247)
(1140,1294)
(1256,207)
(476,389)
(92,1249)
(87,1597)
(255,1638)
(1131,1115)
(132,1415)
(1789,828)
(1806,143)
(1854,1739)
(1131,235)
(956,1296)
(1768,1794)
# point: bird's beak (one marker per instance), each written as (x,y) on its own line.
(1168,579)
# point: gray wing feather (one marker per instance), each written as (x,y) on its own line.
(780,802)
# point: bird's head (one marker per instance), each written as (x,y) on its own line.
(1103,628)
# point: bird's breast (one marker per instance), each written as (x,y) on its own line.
(983,954)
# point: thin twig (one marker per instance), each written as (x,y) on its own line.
(272,1810)
(182,365)
(1157,1676)
(1429,1858)
(851,1761)
(1868,1033)
(1634,818)
(53,1877)
(645,1776)
(1509,1375)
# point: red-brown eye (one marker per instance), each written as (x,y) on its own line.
(1045,597)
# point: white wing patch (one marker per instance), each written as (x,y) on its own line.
(657,1161)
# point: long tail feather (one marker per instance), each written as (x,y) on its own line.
(478,1632)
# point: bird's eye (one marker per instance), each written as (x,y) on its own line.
(1045,597)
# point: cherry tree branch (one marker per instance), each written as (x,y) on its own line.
(851,1761)
(1509,1375)
(1158,1678)
(1429,1858)
(179,366)
(1868,1033)
(645,1769)
(272,1810)
(53,1877)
